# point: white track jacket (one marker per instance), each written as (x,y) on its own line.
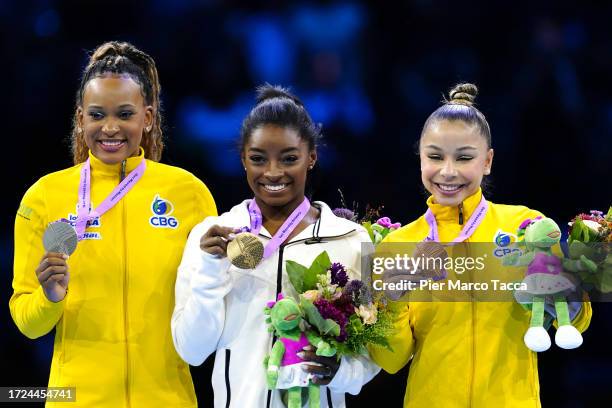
(219,308)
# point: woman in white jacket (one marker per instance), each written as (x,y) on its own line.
(219,308)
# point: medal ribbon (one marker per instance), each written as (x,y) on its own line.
(473,223)
(284,231)
(84,215)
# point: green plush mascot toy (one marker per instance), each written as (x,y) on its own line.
(283,365)
(544,278)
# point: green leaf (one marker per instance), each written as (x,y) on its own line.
(580,232)
(609,214)
(368,226)
(319,266)
(296,273)
(325,326)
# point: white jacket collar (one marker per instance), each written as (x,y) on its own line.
(327,226)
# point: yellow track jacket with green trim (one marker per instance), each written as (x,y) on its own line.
(112,338)
(466,354)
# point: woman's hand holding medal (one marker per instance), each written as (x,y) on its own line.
(244,250)
(215,240)
(53,275)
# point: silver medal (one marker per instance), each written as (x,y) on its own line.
(60,237)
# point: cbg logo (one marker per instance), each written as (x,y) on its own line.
(505,244)
(162,210)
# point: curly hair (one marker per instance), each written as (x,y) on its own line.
(123,58)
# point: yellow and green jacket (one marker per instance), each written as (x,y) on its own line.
(112,330)
(466,354)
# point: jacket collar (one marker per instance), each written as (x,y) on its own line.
(451,214)
(327,226)
(99,168)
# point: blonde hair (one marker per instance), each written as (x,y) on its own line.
(123,58)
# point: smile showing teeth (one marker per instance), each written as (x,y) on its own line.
(274,187)
(449,187)
(113,142)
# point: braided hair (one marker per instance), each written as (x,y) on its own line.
(118,58)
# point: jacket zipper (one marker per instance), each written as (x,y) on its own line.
(228,389)
(460,207)
(329,399)
(125,296)
(474,315)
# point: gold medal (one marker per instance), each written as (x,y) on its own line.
(245,251)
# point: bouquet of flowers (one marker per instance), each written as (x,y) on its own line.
(590,240)
(343,311)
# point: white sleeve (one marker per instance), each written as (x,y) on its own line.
(354,372)
(199,313)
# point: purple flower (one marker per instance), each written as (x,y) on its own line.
(352,288)
(596,213)
(358,292)
(344,213)
(345,304)
(329,311)
(338,274)
(386,222)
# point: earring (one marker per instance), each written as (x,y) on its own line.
(148,129)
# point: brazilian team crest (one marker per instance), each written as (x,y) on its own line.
(505,244)
(162,213)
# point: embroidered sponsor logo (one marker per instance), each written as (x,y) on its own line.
(162,210)
(25,212)
(505,244)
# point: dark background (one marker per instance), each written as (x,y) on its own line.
(370,73)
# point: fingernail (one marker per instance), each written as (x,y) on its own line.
(301,354)
(231,236)
(65,256)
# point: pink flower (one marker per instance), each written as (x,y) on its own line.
(386,222)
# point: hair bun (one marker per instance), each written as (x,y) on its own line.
(464,94)
(268,91)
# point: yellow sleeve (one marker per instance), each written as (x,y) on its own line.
(204,202)
(401,342)
(31,311)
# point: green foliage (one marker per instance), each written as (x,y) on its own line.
(368,226)
(296,273)
(303,278)
(324,326)
(360,335)
(580,232)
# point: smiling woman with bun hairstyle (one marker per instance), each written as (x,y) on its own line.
(111,300)
(220,308)
(463,354)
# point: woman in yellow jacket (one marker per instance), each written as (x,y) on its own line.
(111,301)
(464,354)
